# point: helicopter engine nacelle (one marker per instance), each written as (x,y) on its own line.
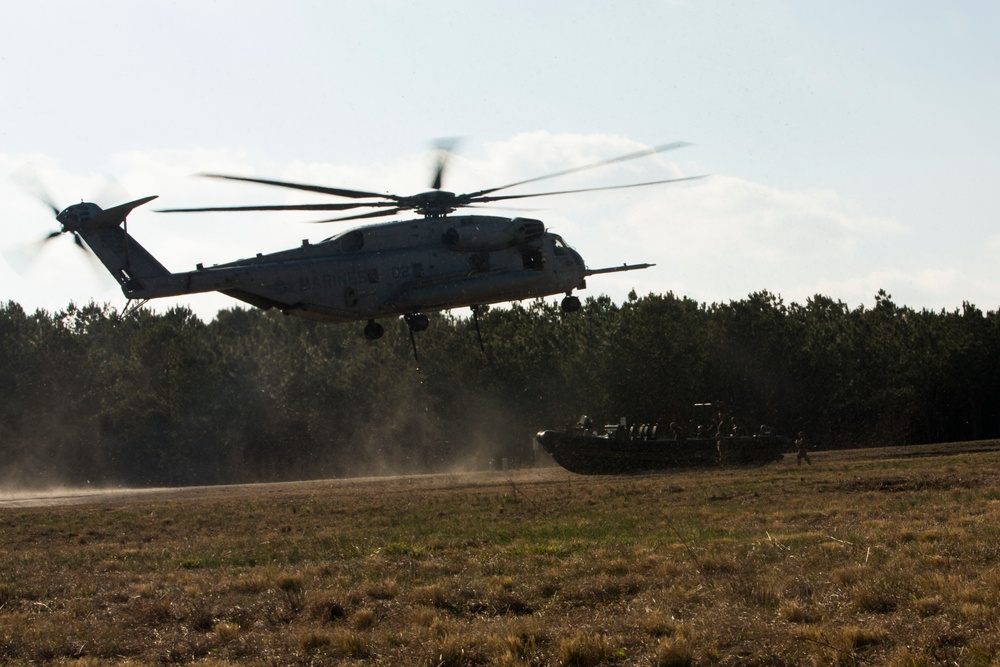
(482,234)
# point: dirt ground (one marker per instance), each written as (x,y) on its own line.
(58,496)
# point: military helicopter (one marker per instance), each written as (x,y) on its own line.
(408,268)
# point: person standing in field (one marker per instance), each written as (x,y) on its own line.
(802,447)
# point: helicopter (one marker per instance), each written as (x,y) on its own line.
(401,268)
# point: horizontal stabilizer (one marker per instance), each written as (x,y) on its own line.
(113,217)
(616,269)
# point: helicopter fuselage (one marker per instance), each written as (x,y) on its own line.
(380,270)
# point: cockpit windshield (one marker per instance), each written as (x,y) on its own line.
(560,246)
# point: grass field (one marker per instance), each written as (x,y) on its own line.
(861,558)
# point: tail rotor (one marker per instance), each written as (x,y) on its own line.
(22,257)
(71,219)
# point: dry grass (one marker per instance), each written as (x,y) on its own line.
(850,561)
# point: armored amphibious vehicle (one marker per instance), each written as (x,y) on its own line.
(619,449)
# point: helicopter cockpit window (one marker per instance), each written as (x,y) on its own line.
(560,246)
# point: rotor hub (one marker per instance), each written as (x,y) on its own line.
(434,203)
(76,216)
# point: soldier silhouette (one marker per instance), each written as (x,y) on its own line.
(802,447)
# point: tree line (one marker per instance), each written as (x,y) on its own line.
(91,395)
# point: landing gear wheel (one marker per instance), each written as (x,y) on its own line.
(373,330)
(570,304)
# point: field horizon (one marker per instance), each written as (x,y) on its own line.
(878,556)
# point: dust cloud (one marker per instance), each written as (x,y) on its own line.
(415,439)
(64,495)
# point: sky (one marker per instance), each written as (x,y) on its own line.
(849,146)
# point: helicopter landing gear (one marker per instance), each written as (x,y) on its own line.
(416,322)
(373,330)
(476,310)
(570,304)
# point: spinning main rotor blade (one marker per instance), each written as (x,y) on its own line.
(359,216)
(278,207)
(570,192)
(444,147)
(601,163)
(339,192)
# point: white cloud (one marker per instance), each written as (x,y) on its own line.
(721,238)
